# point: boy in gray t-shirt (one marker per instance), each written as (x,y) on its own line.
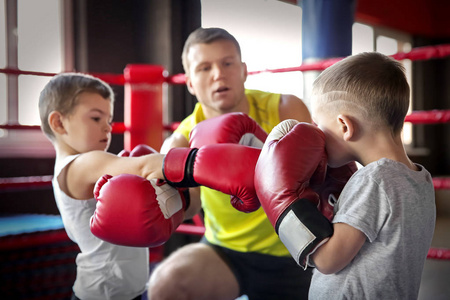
(394,207)
(375,245)
(385,216)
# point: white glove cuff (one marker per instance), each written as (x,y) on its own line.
(249,139)
(295,236)
(169,199)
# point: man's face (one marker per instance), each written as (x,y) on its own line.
(216,77)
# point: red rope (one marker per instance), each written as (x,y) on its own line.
(21,241)
(11,242)
(439,253)
(424,53)
(55,236)
(20,127)
(419,53)
(21,72)
(441,183)
(116,79)
(23,183)
(176,79)
(117,127)
(31,182)
(416,117)
(314,66)
(191,229)
(429,117)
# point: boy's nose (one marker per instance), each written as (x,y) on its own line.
(108,127)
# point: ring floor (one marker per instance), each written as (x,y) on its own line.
(436,274)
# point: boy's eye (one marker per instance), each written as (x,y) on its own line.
(96,119)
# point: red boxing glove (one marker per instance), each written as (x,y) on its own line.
(332,187)
(228,168)
(293,158)
(134,211)
(124,153)
(139,150)
(235,128)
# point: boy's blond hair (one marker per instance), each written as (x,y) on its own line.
(61,94)
(369,84)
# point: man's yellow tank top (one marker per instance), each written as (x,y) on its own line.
(226,226)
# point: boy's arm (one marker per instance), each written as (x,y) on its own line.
(82,174)
(339,250)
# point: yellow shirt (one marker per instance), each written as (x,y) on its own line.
(226,226)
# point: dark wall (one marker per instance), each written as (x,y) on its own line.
(33,201)
(432,91)
(417,17)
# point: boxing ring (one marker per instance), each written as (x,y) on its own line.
(143,92)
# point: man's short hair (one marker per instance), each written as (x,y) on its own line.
(206,36)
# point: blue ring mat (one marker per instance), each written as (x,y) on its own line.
(27,223)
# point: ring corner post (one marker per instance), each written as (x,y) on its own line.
(143,109)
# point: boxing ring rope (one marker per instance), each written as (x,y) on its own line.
(143,85)
(418,53)
(36,182)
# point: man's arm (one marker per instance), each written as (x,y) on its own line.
(174,140)
(339,250)
(292,107)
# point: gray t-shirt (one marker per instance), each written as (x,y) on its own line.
(394,207)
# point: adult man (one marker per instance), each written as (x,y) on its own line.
(240,252)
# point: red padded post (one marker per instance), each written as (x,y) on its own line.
(143,105)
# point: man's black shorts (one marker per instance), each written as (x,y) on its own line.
(262,276)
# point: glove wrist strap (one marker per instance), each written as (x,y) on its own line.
(178,167)
(302,229)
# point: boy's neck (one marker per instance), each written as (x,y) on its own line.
(63,150)
(377,146)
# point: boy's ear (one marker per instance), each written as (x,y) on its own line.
(347,127)
(189,86)
(55,122)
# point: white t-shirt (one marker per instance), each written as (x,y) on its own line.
(104,270)
(394,207)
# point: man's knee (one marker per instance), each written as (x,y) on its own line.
(171,277)
(193,272)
